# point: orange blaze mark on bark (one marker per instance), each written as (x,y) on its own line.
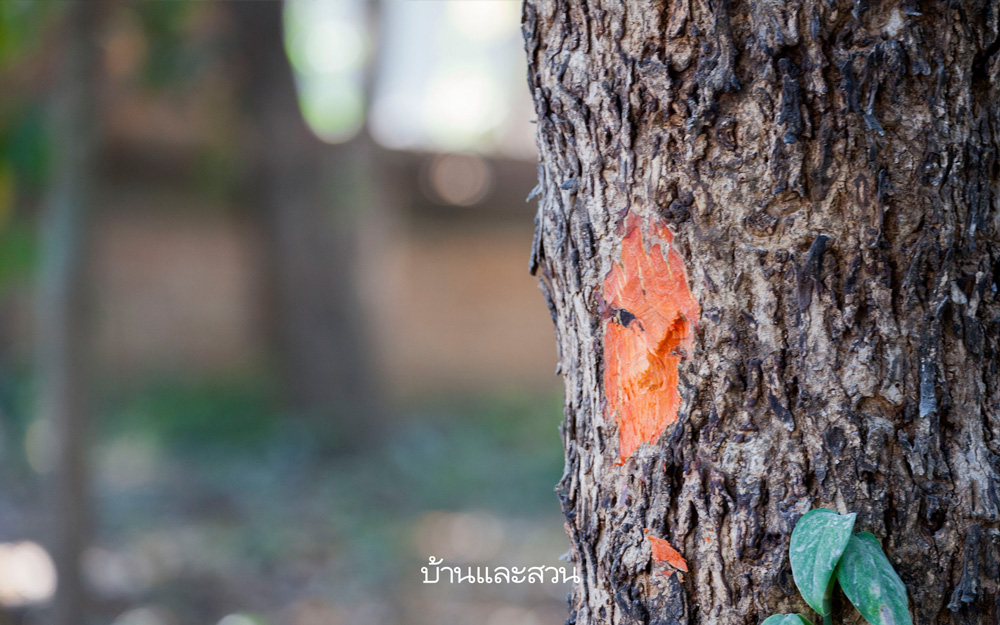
(664,552)
(650,329)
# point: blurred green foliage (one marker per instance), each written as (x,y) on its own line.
(500,452)
(446,456)
(18,250)
(21,25)
(229,412)
(23,165)
(23,147)
(170,58)
(24,150)
(264,491)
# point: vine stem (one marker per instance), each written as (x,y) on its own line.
(828,605)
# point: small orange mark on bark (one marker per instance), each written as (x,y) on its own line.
(664,552)
(650,327)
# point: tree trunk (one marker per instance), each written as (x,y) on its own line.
(318,325)
(61,359)
(770,241)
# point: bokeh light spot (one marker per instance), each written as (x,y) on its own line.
(460,179)
(27,574)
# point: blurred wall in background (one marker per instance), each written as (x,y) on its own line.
(179,267)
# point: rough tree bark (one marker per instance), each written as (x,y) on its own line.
(827,172)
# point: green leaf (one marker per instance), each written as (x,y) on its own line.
(818,541)
(786,619)
(871,584)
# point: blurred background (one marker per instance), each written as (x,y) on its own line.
(267,335)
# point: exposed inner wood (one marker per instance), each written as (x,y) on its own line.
(649,330)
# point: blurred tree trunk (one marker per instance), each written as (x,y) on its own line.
(61,357)
(320,329)
(829,173)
